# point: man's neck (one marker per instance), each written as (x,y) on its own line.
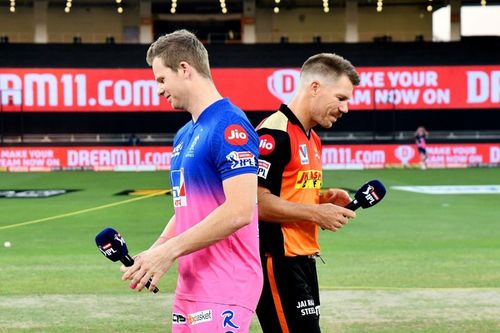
(301,111)
(206,94)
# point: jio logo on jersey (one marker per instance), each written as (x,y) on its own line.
(283,84)
(266,144)
(236,135)
(178,188)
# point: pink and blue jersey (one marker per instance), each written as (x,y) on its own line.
(420,139)
(220,144)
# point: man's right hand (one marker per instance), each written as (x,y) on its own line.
(332,217)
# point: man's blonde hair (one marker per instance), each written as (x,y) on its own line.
(329,65)
(178,46)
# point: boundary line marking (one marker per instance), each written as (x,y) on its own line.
(83,211)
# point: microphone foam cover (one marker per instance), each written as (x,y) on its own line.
(111,244)
(370,193)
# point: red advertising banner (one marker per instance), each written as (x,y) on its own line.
(25,159)
(390,155)
(252,89)
(91,158)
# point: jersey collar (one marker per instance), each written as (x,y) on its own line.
(211,109)
(293,118)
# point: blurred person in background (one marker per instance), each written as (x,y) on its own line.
(291,207)
(421,135)
(133,140)
(213,233)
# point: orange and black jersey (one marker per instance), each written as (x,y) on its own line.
(289,167)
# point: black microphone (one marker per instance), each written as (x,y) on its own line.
(113,246)
(368,195)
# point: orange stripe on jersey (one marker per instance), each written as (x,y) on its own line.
(276,296)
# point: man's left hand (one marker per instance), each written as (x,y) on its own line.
(336,196)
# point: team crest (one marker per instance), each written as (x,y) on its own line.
(316,154)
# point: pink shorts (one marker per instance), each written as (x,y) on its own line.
(201,317)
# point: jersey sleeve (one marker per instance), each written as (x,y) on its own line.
(274,155)
(235,147)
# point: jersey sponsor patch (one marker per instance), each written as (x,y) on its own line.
(309,179)
(178,319)
(308,308)
(177,150)
(266,144)
(178,188)
(264,167)
(304,158)
(200,317)
(190,152)
(228,321)
(235,135)
(316,154)
(241,159)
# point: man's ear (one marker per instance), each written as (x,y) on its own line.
(314,87)
(184,68)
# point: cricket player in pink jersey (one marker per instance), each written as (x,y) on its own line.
(421,135)
(213,233)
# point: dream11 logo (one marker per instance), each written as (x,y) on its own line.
(283,84)
(404,154)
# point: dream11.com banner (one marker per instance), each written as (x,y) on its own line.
(23,159)
(252,89)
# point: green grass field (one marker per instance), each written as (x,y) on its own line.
(414,263)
